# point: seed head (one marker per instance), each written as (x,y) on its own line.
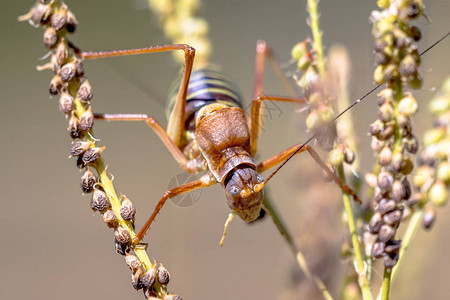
(50,37)
(127,210)
(88,181)
(132,262)
(56,85)
(99,200)
(67,72)
(66,103)
(84,92)
(110,218)
(92,154)
(79,147)
(148,278)
(61,52)
(122,235)
(163,275)
(74,127)
(386,233)
(59,19)
(87,120)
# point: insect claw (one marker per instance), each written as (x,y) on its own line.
(230,218)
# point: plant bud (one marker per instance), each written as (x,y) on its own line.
(392,246)
(404,122)
(386,113)
(376,144)
(88,181)
(398,191)
(378,194)
(59,19)
(377,250)
(378,75)
(391,72)
(375,223)
(336,156)
(386,233)
(408,66)
(71,23)
(408,105)
(163,275)
(80,163)
(385,156)
(393,218)
(99,201)
(56,85)
(148,278)
(132,262)
(415,33)
(349,155)
(87,120)
(67,72)
(305,61)
(407,166)
(40,14)
(439,105)
(66,103)
(74,127)
(376,127)
(390,260)
(416,199)
(385,180)
(438,193)
(127,210)
(411,144)
(79,147)
(386,133)
(397,161)
(443,172)
(122,235)
(433,136)
(387,94)
(371,180)
(92,154)
(386,206)
(61,53)
(299,50)
(313,121)
(84,92)
(407,188)
(110,218)
(50,37)
(429,218)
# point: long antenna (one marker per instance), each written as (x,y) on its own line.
(322,129)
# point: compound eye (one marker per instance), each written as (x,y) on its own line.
(234,191)
(259,178)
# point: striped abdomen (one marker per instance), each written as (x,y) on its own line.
(206,86)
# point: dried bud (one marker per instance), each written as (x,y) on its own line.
(79,147)
(385,156)
(411,144)
(50,37)
(429,218)
(61,53)
(110,218)
(385,180)
(87,120)
(386,233)
(84,92)
(71,23)
(148,278)
(386,206)
(407,166)
(386,112)
(438,193)
(398,191)
(122,235)
(376,127)
(121,249)
(92,154)
(377,250)
(59,19)
(163,275)
(390,260)
(386,133)
(397,161)
(56,85)
(40,14)
(67,72)
(393,218)
(88,181)
(127,210)
(132,262)
(375,223)
(74,127)
(99,200)
(378,194)
(66,103)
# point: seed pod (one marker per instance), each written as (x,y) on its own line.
(163,275)
(377,250)
(74,127)
(148,278)
(132,262)
(56,85)
(408,105)
(121,249)
(99,201)
(393,218)
(84,92)
(429,218)
(66,103)
(376,127)
(40,14)
(92,154)
(87,120)
(407,166)
(398,191)
(386,133)
(386,233)
(79,147)
(61,52)
(50,37)
(336,156)
(127,209)
(397,161)
(71,23)
(67,72)
(386,112)
(390,260)
(392,246)
(110,218)
(438,193)
(59,19)
(122,235)
(385,156)
(404,122)
(378,194)
(385,180)
(88,181)
(386,205)
(375,223)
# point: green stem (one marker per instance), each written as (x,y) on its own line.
(317,35)
(386,287)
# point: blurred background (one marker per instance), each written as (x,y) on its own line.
(54,247)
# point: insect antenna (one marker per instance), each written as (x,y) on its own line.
(323,128)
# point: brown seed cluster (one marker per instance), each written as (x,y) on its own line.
(75,92)
(393,140)
(432,178)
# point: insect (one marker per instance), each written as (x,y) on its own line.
(208,132)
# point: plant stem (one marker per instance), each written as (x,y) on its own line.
(317,35)
(386,287)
